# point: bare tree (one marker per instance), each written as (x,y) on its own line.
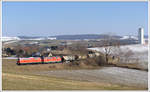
(107,46)
(128,55)
(111,47)
(79,48)
(110,44)
(122,54)
(116,51)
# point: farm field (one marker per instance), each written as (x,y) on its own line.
(45,77)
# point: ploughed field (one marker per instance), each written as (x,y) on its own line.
(46,77)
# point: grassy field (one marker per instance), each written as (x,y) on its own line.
(23,77)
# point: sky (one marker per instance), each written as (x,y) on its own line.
(68,18)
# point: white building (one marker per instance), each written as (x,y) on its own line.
(141,36)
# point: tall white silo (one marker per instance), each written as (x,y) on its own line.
(141,36)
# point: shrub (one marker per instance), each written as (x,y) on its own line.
(89,62)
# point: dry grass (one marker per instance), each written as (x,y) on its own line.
(28,82)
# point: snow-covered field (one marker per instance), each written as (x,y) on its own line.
(140,53)
(135,48)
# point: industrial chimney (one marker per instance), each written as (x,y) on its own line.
(141,36)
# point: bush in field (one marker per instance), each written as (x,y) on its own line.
(97,61)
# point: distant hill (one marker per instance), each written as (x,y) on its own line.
(82,37)
(30,37)
(75,37)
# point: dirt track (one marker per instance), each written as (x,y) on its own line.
(113,75)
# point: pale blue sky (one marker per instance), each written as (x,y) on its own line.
(63,18)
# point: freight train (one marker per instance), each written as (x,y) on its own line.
(54,59)
(44,60)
